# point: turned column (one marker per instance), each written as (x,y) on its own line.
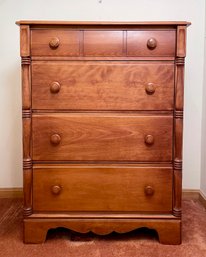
(26,116)
(178,118)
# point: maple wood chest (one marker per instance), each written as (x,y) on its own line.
(102,126)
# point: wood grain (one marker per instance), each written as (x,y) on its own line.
(102,189)
(103,43)
(24,40)
(181,41)
(26,118)
(100,23)
(105,85)
(137,43)
(169,231)
(68,42)
(103,58)
(115,137)
(178,119)
(102,126)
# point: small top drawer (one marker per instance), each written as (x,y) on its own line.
(105,43)
(151,43)
(54,42)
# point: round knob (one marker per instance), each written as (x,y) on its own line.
(54,42)
(149,190)
(149,139)
(55,87)
(152,43)
(150,88)
(55,139)
(56,189)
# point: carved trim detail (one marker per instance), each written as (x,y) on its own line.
(178,114)
(177,164)
(27,163)
(177,213)
(27,211)
(180,60)
(25,60)
(168,231)
(26,114)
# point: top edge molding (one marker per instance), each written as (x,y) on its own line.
(128,23)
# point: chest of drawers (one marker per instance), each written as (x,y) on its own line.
(102,126)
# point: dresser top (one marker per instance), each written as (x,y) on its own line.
(128,23)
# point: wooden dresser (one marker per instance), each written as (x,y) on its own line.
(102,126)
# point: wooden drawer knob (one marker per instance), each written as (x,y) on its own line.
(54,42)
(150,88)
(55,139)
(149,191)
(149,140)
(55,87)
(56,189)
(151,43)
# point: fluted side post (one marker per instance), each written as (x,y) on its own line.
(178,118)
(26,116)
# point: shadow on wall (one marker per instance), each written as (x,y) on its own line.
(12,143)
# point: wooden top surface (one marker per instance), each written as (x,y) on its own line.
(41,22)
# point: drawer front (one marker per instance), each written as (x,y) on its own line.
(102,189)
(54,42)
(103,85)
(151,43)
(103,43)
(102,137)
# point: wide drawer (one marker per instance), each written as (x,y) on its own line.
(60,188)
(89,85)
(102,137)
(103,43)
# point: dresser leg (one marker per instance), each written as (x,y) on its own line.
(170,234)
(34,233)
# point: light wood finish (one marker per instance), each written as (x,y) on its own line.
(36,229)
(102,126)
(178,118)
(102,189)
(67,43)
(108,85)
(26,115)
(107,43)
(118,137)
(151,43)
(24,41)
(103,58)
(103,43)
(100,23)
(181,41)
